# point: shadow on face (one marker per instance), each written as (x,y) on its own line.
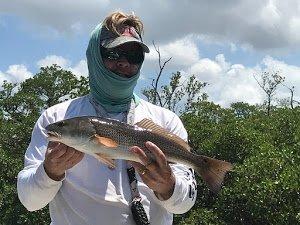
(124,60)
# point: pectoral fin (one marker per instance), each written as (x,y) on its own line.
(106,160)
(107,142)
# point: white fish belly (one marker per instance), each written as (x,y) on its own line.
(120,152)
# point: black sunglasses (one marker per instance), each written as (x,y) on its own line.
(133,57)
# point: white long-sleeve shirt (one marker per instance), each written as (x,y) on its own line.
(91,193)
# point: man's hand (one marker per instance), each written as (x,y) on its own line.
(59,158)
(157,174)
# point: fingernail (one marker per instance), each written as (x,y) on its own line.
(134,149)
(150,144)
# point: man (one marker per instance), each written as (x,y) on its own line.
(78,188)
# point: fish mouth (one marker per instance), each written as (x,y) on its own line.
(52,135)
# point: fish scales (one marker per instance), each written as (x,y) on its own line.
(110,138)
(128,136)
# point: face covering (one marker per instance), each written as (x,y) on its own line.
(111,91)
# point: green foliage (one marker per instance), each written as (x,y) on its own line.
(269,82)
(262,189)
(202,216)
(20,107)
(264,186)
(176,96)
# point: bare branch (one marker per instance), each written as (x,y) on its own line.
(258,82)
(269,82)
(161,68)
(292,89)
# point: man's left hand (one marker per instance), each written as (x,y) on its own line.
(156,174)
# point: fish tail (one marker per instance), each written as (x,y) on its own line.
(212,171)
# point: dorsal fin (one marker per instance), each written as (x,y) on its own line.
(153,127)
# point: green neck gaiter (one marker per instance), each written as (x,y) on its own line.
(112,91)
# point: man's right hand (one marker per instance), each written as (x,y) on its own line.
(59,158)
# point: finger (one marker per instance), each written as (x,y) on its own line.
(65,154)
(147,177)
(52,144)
(159,155)
(80,157)
(148,180)
(137,166)
(56,152)
(147,162)
(144,173)
(76,158)
(141,154)
(68,155)
(152,165)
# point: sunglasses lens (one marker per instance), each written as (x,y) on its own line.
(111,55)
(136,57)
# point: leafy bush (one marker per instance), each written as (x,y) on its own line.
(20,107)
(262,189)
(264,186)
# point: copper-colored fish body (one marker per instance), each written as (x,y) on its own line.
(108,139)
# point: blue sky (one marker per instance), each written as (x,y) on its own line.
(21,45)
(222,43)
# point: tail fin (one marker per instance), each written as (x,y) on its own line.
(212,171)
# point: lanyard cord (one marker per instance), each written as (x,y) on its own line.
(137,209)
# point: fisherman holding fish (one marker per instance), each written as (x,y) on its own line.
(85,167)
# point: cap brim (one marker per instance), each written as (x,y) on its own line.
(122,40)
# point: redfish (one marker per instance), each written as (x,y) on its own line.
(108,139)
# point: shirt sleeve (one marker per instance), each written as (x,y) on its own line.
(35,188)
(185,190)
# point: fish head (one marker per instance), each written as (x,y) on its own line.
(72,132)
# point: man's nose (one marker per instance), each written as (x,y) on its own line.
(123,63)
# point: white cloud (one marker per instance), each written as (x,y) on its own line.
(19,73)
(80,69)
(270,14)
(228,82)
(260,24)
(240,93)
(290,72)
(220,59)
(206,70)
(294,26)
(3,77)
(183,51)
(15,74)
(53,59)
(235,82)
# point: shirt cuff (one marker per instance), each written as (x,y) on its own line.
(173,200)
(43,179)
